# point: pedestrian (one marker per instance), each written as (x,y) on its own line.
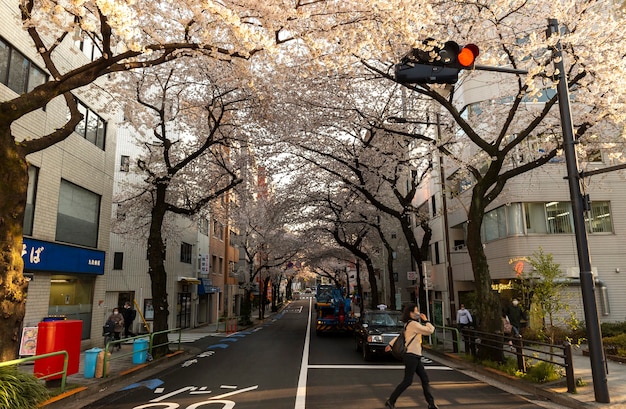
(413,331)
(118,319)
(129,315)
(464,320)
(463,317)
(515,316)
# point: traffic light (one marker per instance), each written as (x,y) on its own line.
(436,65)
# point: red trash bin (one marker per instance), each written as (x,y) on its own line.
(53,336)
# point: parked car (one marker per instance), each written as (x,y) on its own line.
(374,330)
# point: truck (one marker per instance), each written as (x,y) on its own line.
(334,312)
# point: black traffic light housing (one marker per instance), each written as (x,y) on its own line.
(435,65)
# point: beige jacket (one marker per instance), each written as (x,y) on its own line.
(415,329)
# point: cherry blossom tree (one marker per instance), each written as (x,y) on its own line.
(513,127)
(129,36)
(189,123)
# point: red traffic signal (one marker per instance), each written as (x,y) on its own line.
(436,65)
(467,55)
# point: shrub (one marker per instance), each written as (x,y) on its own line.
(615,344)
(611,329)
(543,372)
(20,390)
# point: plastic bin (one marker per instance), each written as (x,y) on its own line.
(53,336)
(140,351)
(91,357)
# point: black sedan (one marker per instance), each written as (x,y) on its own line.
(374,330)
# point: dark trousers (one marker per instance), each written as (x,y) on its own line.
(413,365)
(127,332)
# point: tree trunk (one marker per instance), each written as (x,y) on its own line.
(417,257)
(371,273)
(158,275)
(13,286)
(489,310)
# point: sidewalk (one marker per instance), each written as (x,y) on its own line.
(81,391)
(555,392)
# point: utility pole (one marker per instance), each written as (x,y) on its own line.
(587,285)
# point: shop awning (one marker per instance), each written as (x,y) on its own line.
(189,280)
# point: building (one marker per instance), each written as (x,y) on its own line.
(67,223)
(532,212)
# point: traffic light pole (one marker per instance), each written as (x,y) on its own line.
(596,350)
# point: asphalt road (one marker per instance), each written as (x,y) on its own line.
(284,365)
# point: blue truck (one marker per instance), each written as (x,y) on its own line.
(334,312)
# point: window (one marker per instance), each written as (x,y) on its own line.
(77,216)
(218,230)
(598,220)
(92,127)
(29,211)
(185,252)
(559,216)
(436,251)
(214,264)
(87,46)
(124,163)
(118,260)
(203,226)
(535,217)
(433,203)
(18,72)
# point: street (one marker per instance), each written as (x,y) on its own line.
(284,365)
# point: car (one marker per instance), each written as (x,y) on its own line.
(374,330)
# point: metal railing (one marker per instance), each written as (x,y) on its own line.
(63,373)
(148,349)
(523,350)
(453,339)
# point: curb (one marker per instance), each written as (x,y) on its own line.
(559,398)
(82,396)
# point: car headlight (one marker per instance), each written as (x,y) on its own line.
(375,338)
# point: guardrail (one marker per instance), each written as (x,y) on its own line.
(496,342)
(454,338)
(63,373)
(148,349)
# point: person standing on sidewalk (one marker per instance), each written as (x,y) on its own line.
(413,357)
(129,316)
(464,320)
(118,319)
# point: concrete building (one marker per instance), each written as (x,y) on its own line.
(532,212)
(199,259)
(67,223)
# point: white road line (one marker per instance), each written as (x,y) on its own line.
(301,392)
(428,367)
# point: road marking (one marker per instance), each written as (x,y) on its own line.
(301,392)
(225,395)
(429,367)
(223,346)
(228,386)
(150,384)
(174,393)
(189,362)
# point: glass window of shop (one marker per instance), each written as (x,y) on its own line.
(71,296)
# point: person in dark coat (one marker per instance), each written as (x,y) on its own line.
(118,319)
(515,316)
(129,316)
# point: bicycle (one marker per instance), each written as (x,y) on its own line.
(108,337)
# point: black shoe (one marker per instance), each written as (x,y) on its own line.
(433,406)
(389,405)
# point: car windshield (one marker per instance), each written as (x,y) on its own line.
(384,319)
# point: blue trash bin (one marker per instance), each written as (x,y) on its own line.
(140,351)
(91,357)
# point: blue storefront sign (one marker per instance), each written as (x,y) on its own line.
(206,287)
(41,255)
